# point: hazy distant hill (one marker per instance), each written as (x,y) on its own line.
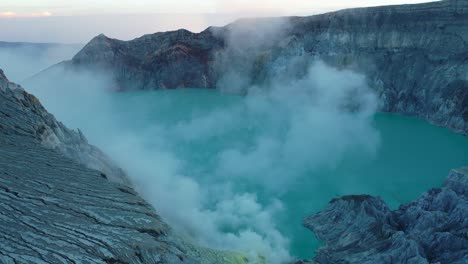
(21,60)
(37,46)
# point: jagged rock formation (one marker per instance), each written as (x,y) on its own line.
(56,210)
(362,229)
(162,60)
(415,56)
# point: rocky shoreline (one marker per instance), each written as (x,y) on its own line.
(362,229)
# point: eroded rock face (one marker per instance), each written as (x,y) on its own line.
(362,229)
(174,59)
(54,210)
(415,56)
(22,114)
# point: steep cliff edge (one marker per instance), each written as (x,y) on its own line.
(58,206)
(22,114)
(414,56)
(362,229)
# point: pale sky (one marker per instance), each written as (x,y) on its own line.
(76,21)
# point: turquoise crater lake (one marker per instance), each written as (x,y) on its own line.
(218,141)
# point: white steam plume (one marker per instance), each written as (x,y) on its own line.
(272,137)
(301,125)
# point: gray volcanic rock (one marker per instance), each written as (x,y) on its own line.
(55,209)
(362,229)
(22,114)
(415,56)
(163,60)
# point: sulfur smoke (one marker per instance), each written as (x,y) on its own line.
(278,132)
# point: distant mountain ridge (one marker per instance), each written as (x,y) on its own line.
(414,56)
(15,44)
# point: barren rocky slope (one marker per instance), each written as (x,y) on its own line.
(22,114)
(414,56)
(55,209)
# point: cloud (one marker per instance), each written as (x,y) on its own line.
(40,14)
(10,14)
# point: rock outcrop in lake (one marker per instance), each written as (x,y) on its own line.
(414,56)
(58,205)
(362,229)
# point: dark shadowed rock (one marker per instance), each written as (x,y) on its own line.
(174,59)
(362,229)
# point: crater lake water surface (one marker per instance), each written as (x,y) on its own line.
(203,127)
(412,157)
